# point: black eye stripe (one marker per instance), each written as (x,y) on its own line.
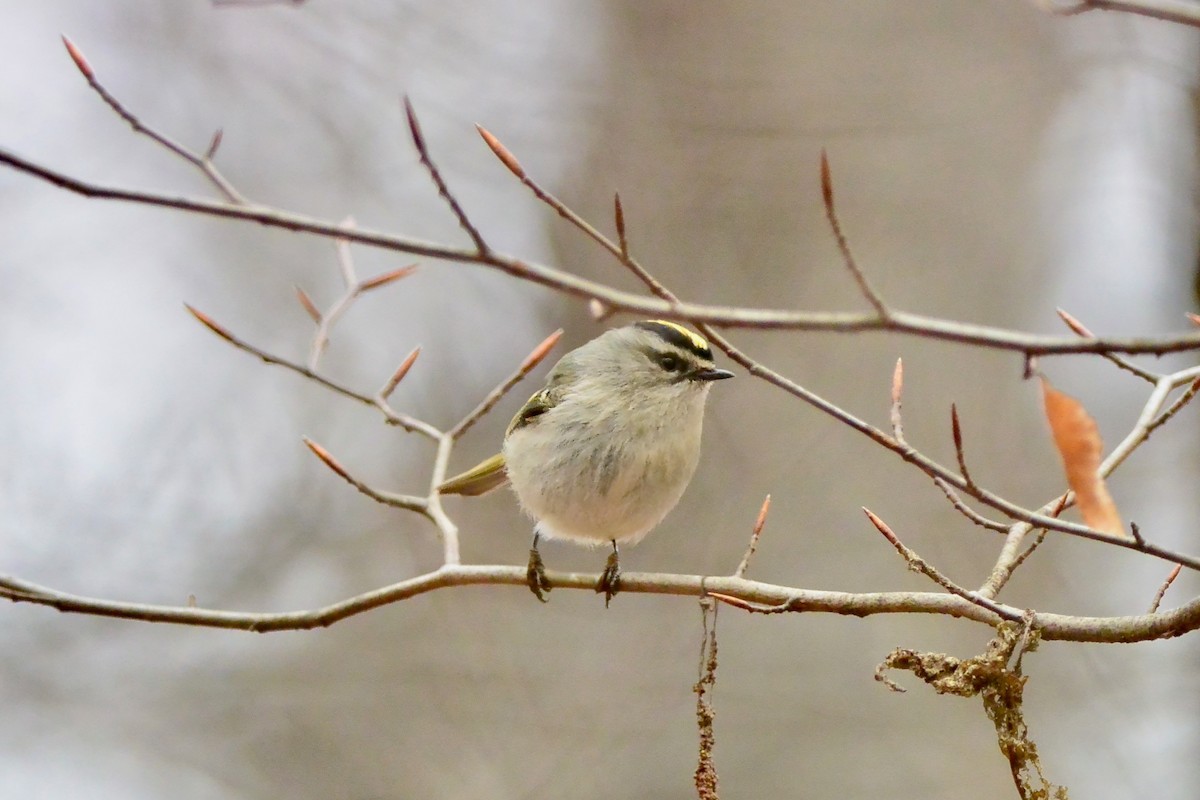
(679,336)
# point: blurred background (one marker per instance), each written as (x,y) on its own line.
(991,163)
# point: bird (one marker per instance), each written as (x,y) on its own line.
(604,451)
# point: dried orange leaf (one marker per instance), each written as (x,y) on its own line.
(1079,446)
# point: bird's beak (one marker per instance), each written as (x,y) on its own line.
(711,374)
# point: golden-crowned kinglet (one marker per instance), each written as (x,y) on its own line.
(604,451)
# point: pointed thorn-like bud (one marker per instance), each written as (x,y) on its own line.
(325,456)
(214,144)
(414,127)
(308,305)
(399,374)
(736,602)
(502,152)
(955,429)
(826,180)
(619,217)
(762,516)
(1074,324)
(81,63)
(880,525)
(898,382)
(1195,318)
(387,277)
(208,323)
(541,351)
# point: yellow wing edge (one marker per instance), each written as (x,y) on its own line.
(480,479)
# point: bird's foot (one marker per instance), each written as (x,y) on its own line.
(610,579)
(535,575)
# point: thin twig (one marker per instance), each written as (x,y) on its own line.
(1162,590)
(755,533)
(1124,363)
(464,222)
(531,361)
(956,433)
(407,502)
(410,424)
(835,224)
(967,511)
(1028,551)
(1181,401)
(201,162)
(918,564)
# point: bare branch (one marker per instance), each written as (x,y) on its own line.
(407,502)
(918,564)
(200,162)
(1162,590)
(418,139)
(759,522)
(835,225)
(1052,627)
(404,421)
(1123,363)
(967,511)
(956,432)
(724,316)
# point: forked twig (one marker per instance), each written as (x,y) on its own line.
(410,424)
(918,564)
(201,162)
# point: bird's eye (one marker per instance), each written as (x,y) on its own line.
(669,362)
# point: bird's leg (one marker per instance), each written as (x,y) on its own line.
(610,579)
(535,574)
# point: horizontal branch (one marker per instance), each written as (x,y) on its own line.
(722,316)
(1126,629)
